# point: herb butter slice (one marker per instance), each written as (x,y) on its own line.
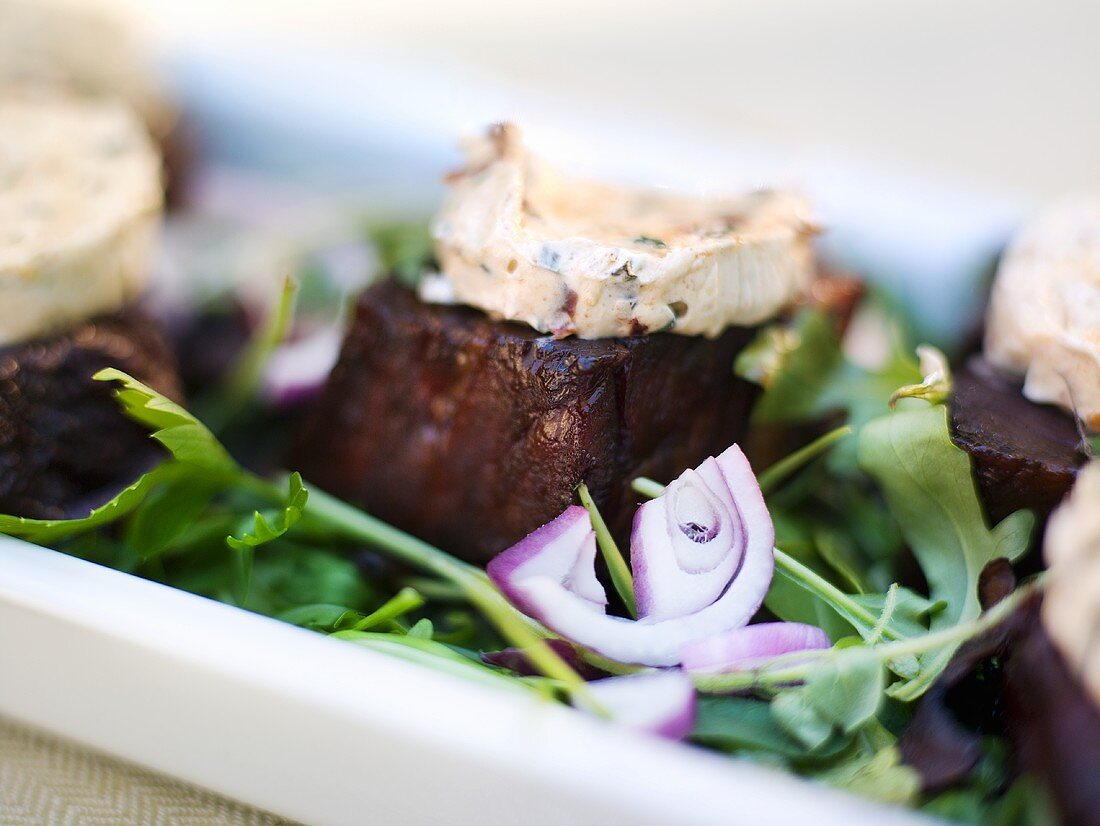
(523,242)
(80,206)
(1071,607)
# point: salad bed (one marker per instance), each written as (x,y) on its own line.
(880,541)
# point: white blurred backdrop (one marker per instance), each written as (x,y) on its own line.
(923,131)
(1000,93)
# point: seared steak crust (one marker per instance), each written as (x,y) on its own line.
(1025,455)
(64,444)
(471,432)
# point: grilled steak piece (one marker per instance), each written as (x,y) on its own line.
(64,444)
(1053,722)
(1025,455)
(471,432)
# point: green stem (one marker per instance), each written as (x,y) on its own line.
(647,487)
(243,379)
(842,603)
(620,571)
(770,479)
(515,627)
(796,667)
(405,600)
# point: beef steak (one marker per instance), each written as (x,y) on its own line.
(1025,455)
(471,432)
(64,444)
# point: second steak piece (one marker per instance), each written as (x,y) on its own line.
(471,433)
(65,445)
(1025,455)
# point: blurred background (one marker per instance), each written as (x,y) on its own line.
(997,94)
(924,131)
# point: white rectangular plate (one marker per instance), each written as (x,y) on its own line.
(328,733)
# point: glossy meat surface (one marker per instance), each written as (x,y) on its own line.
(64,444)
(1025,455)
(470,432)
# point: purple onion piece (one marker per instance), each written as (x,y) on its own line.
(297,370)
(686,545)
(562,551)
(549,574)
(743,649)
(656,702)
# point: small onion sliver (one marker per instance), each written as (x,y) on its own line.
(296,371)
(546,594)
(663,585)
(743,649)
(562,551)
(657,702)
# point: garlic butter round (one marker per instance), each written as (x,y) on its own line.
(1044,313)
(80,205)
(523,242)
(1071,606)
(84,49)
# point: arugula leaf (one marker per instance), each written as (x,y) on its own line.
(434,654)
(880,776)
(320,616)
(795,364)
(424,629)
(266,528)
(185,437)
(739,725)
(619,571)
(797,715)
(928,484)
(805,376)
(846,690)
(46,531)
(286,575)
(167,513)
(404,248)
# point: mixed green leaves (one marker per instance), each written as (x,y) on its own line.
(845,527)
(199,519)
(850,508)
(929,486)
(404,249)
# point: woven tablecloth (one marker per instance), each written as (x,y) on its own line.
(48,782)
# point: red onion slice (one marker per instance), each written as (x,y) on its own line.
(715,600)
(297,370)
(743,649)
(657,702)
(562,552)
(686,545)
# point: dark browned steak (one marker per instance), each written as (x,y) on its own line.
(470,432)
(1025,455)
(1053,722)
(64,444)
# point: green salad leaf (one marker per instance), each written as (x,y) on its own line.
(47,531)
(929,486)
(880,776)
(848,507)
(186,438)
(404,248)
(267,527)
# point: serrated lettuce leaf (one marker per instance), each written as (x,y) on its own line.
(930,489)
